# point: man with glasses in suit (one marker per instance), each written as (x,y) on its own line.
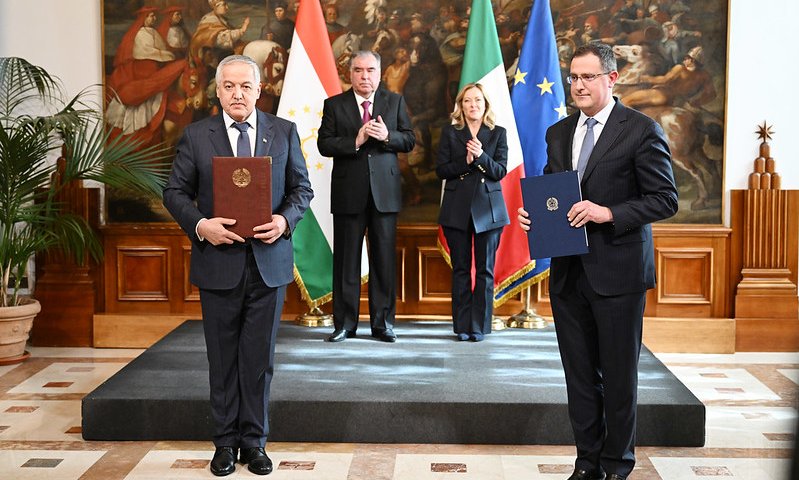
(598,298)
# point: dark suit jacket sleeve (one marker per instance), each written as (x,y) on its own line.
(449,163)
(332,139)
(402,139)
(495,166)
(298,193)
(181,189)
(656,197)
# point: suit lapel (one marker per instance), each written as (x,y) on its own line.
(570,125)
(610,132)
(464,135)
(379,108)
(264,134)
(217,133)
(353,114)
(484,135)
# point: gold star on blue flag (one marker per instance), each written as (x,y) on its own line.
(545,86)
(518,77)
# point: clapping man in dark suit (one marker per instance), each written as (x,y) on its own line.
(363,129)
(598,298)
(242,281)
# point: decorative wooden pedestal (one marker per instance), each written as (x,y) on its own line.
(66,290)
(766,303)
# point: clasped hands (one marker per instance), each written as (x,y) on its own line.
(473,150)
(374,128)
(213,230)
(579,214)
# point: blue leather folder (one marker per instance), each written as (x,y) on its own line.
(547,198)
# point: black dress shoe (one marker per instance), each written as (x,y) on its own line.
(580,474)
(257,460)
(386,335)
(340,335)
(224,461)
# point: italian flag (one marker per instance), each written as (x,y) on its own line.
(311,77)
(482,63)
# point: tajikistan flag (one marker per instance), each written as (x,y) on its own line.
(482,63)
(311,77)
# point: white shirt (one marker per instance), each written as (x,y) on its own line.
(233,132)
(360,101)
(601,117)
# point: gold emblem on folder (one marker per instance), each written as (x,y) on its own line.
(552,204)
(241,177)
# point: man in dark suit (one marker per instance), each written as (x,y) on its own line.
(242,281)
(598,298)
(363,129)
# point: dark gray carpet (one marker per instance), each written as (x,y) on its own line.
(426,388)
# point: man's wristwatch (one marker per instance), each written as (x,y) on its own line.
(388,137)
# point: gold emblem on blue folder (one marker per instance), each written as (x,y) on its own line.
(552,204)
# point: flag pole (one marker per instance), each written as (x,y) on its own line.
(528,317)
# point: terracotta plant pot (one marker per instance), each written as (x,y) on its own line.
(15,328)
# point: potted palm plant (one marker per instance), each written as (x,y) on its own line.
(36,119)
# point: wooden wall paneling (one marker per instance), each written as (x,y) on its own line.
(689,335)
(692,266)
(540,298)
(686,278)
(692,261)
(434,281)
(144,290)
(143,274)
(403,271)
(137,269)
(190,292)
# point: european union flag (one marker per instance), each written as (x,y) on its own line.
(538,102)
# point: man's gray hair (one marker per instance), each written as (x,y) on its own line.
(256,70)
(364,53)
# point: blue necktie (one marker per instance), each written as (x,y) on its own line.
(588,146)
(243,143)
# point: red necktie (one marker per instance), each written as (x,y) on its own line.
(366,115)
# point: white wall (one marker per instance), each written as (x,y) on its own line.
(762,84)
(763,80)
(63,36)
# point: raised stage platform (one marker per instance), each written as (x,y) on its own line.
(426,388)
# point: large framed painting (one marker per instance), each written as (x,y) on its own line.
(160,58)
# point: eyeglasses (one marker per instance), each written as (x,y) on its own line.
(585,77)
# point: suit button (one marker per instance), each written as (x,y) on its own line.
(482,180)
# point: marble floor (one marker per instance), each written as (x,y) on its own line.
(751,401)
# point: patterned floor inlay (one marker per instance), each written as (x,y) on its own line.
(750,432)
(721,468)
(46,465)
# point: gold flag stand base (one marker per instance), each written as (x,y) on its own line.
(498,324)
(315,318)
(527,318)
